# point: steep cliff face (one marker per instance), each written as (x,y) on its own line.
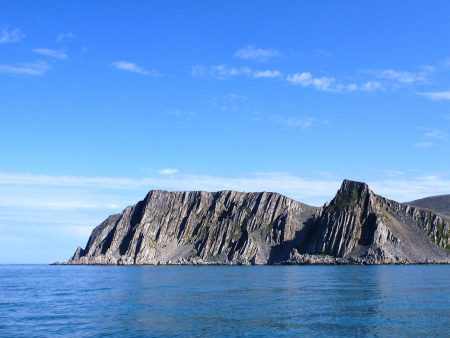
(361,226)
(230,227)
(348,222)
(190,227)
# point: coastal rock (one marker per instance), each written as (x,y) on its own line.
(229,227)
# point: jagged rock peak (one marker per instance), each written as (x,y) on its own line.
(349,185)
(350,195)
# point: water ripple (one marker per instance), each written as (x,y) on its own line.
(93,301)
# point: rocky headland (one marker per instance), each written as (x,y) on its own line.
(229,227)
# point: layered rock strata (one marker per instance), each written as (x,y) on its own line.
(229,227)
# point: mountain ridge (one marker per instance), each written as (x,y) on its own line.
(229,227)
(439,204)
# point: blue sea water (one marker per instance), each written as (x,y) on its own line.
(154,301)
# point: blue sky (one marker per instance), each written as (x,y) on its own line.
(102,101)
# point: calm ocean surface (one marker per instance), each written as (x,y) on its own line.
(94,301)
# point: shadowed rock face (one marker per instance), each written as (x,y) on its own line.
(229,227)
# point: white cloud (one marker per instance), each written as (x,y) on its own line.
(306,79)
(370,86)
(331,84)
(220,71)
(57,54)
(379,80)
(437,96)
(133,68)
(167,171)
(226,72)
(303,79)
(64,36)
(384,79)
(267,74)
(256,54)
(37,68)
(403,77)
(10,36)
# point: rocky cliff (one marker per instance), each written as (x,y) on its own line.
(229,227)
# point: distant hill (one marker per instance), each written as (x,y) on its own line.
(440,204)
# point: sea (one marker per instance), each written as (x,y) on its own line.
(224,301)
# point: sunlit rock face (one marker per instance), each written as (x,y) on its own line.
(229,227)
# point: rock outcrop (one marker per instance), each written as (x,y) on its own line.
(228,227)
(362,226)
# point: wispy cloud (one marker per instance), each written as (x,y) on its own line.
(10,35)
(404,78)
(226,72)
(64,36)
(435,134)
(267,74)
(37,68)
(365,80)
(309,190)
(53,53)
(219,71)
(132,68)
(437,96)
(306,79)
(368,86)
(431,137)
(239,103)
(80,189)
(381,80)
(167,171)
(330,84)
(256,54)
